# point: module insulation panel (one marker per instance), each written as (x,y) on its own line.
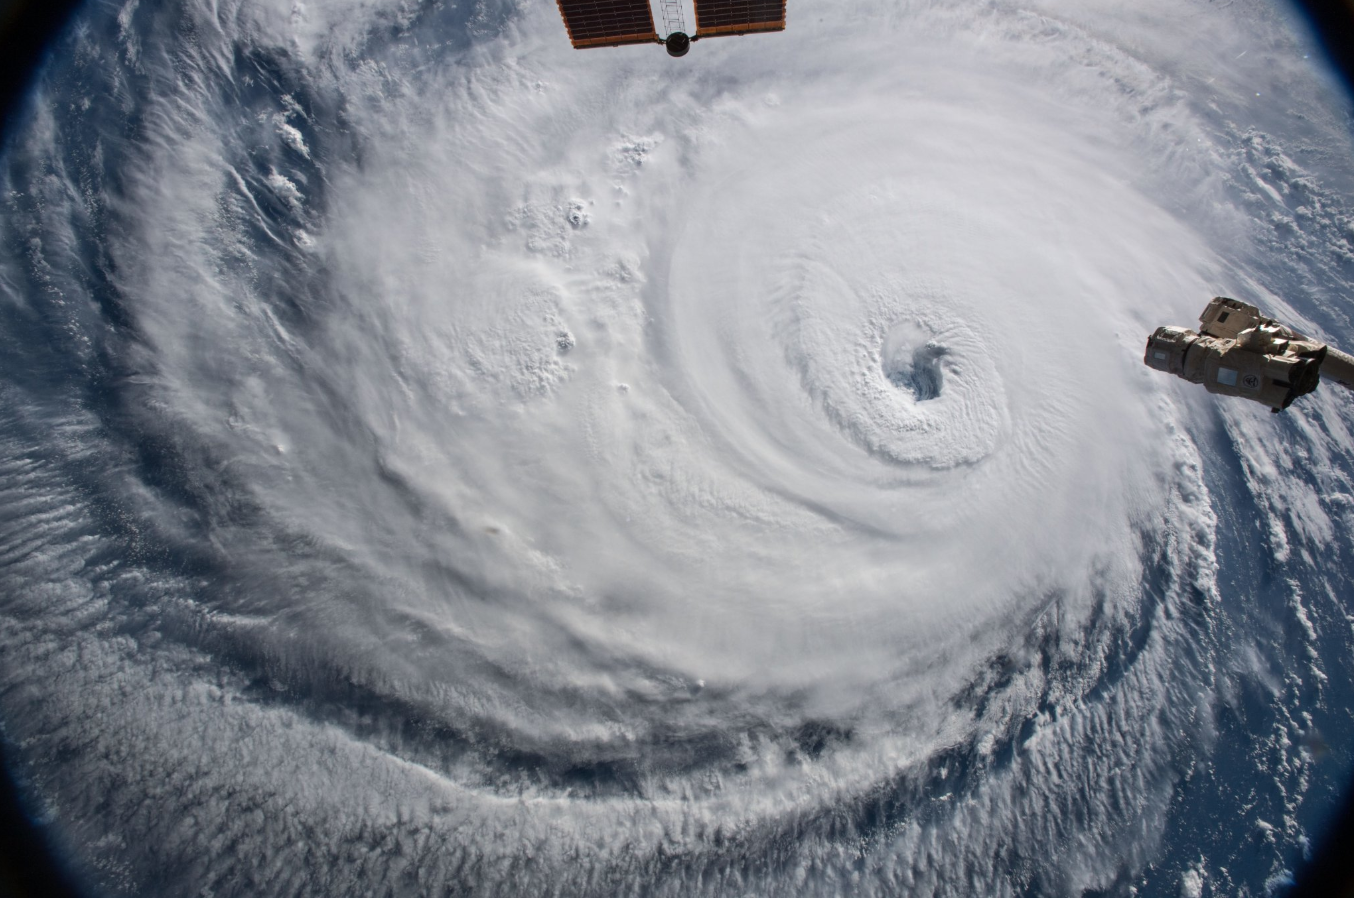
(716,17)
(608,23)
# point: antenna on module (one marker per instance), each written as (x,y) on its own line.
(674,22)
(613,23)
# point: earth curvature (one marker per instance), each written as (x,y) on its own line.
(438,461)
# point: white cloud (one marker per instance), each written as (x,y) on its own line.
(887,490)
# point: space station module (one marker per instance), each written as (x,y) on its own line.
(1239,352)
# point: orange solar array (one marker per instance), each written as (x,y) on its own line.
(715,17)
(608,23)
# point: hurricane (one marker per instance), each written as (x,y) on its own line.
(437,461)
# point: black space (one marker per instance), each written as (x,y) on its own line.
(1330,874)
(1333,21)
(28,868)
(27,28)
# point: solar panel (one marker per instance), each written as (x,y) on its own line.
(608,23)
(716,17)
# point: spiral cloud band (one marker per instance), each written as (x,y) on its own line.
(437,461)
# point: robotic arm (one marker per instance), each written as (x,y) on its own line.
(1239,352)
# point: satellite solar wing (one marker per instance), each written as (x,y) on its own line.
(608,23)
(716,17)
